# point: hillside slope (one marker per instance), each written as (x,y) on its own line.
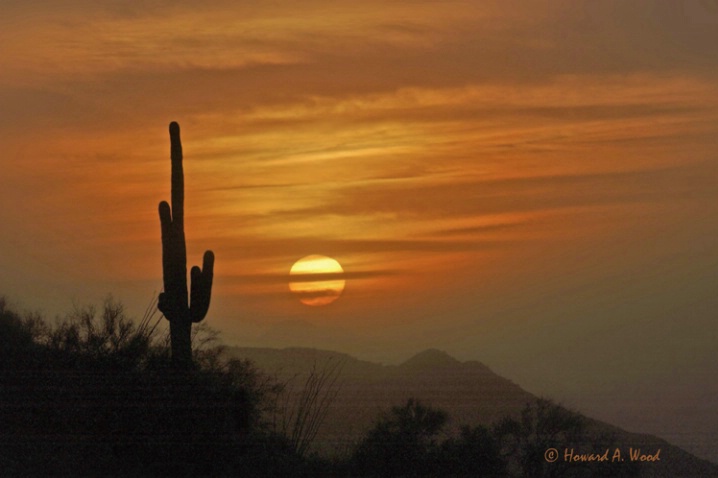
(469,391)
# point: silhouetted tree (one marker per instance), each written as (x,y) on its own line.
(403,443)
(17,336)
(475,452)
(544,425)
(104,338)
(177,307)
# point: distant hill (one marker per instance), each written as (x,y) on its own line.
(469,391)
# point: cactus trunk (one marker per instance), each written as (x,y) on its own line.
(179,307)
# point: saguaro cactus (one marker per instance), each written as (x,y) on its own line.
(174,302)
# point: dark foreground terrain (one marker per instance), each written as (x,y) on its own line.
(95,395)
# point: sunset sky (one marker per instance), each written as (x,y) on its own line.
(529,184)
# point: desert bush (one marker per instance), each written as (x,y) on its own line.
(402,443)
(96,395)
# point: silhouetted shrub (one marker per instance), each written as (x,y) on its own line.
(544,425)
(97,395)
(402,443)
(475,452)
(17,336)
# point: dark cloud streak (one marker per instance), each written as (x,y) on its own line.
(273,278)
(300,246)
(516,195)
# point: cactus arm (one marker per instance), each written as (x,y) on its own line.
(201,288)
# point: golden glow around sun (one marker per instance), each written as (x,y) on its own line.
(317,280)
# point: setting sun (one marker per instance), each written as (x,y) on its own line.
(317,280)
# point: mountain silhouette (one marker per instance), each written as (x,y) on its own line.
(430,358)
(468,391)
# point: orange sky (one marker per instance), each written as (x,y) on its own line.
(533,187)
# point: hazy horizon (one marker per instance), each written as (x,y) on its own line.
(532,187)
